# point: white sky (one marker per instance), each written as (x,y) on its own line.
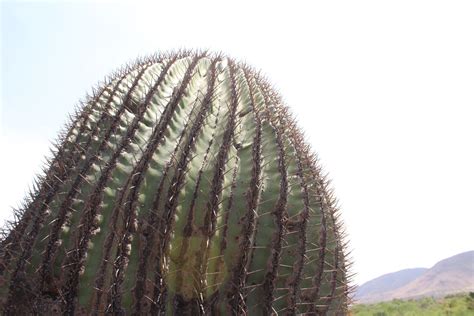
(384,91)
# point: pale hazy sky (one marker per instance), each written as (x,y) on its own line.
(384,91)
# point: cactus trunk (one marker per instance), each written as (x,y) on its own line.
(182,186)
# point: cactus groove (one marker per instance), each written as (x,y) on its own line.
(182,186)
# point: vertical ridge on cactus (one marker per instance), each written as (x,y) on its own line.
(182,186)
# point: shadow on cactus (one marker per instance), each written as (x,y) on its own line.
(181,186)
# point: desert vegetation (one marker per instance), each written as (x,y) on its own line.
(459,305)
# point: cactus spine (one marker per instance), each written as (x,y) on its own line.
(182,186)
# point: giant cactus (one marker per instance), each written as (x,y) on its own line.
(182,186)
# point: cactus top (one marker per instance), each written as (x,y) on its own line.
(182,186)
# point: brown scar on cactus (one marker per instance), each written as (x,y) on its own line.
(182,185)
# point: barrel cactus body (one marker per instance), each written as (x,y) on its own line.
(182,186)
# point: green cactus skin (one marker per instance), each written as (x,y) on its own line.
(182,186)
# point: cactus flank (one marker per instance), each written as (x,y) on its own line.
(182,186)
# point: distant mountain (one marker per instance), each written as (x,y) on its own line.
(377,289)
(451,275)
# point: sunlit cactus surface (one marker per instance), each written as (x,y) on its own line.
(180,187)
